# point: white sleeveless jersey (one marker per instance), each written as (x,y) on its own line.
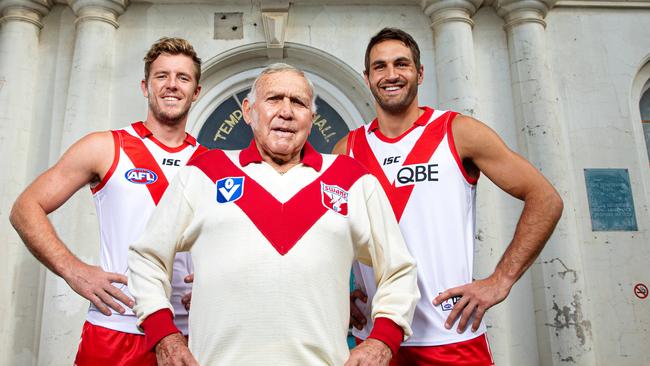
(433,199)
(141,171)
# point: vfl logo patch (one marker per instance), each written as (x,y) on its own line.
(141,176)
(335,198)
(230,189)
(448,304)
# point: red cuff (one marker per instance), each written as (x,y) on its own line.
(389,332)
(157,326)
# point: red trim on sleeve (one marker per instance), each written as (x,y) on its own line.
(389,332)
(111,170)
(157,326)
(454,152)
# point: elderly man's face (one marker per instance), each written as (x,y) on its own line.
(281,117)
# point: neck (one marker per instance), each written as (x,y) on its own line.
(395,124)
(170,134)
(281,163)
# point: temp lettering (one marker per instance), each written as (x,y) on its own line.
(411,174)
(226,127)
(171,162)
(391,160)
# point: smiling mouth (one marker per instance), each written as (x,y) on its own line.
(171,99)
(392,89)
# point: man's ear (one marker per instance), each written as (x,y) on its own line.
(365,78)
(143,87)
(246,111)
(421,75)
(195,95)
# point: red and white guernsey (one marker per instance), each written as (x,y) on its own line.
(433,199)
(141,171)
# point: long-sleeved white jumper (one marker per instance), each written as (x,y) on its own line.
(272,256)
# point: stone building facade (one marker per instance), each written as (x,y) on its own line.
(561,81)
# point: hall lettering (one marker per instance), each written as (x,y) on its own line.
(323,127)
(227,125)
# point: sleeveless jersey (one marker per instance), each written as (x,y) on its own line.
(433,199)
(125,198)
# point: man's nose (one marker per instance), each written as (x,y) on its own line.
(286,109)
(391,72)
(171,82)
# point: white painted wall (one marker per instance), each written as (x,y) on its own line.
(595,56)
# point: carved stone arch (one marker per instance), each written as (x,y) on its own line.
(233,71)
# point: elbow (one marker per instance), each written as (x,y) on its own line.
(14,215)
(556,205)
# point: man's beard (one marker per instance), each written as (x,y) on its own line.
(167,119)
(396,106)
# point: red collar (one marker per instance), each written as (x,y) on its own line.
(421,121)
(144,132)
(310,157)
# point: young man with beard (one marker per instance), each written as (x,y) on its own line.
(127,170)
(273,230)
(428,162)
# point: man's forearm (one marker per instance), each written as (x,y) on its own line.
(538,219)
(36,231)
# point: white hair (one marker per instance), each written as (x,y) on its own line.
(281,67)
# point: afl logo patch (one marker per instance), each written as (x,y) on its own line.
(335,198)
(230,189)
(141,176)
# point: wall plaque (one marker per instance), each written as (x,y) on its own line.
(610,200)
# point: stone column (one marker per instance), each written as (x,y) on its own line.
(457,84)
(87,110)
(20,279)
(561,303)
(454,52)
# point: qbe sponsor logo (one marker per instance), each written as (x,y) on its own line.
(230,189)
(448,304)
(417,173)
(335,198)
(141,176)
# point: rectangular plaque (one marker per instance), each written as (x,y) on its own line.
(610,200)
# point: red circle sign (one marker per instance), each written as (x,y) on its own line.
(641,290)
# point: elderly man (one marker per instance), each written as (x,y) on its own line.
(273,230)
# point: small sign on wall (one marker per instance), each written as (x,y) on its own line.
(610,200)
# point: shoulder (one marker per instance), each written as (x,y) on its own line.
(344,164)
(207,157)
(474,139)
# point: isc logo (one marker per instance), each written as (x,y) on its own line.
(141,176)
(411,174)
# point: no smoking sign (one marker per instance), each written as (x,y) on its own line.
(641,290)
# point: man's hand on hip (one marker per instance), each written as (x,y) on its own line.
(475,299)
(357,319)
(96,285)
(371,352)
(172,351)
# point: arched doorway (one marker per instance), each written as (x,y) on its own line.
(342,99)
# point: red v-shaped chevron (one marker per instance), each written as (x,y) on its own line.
(422,151)
(282,224)
(140,156)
